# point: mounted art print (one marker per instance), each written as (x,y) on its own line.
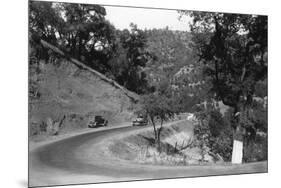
(131,93)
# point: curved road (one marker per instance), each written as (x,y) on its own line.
(82,159)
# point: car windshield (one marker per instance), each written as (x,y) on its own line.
(98,118)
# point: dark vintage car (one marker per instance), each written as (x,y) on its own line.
(98,122)
(140,121)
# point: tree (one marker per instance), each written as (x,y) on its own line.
(157,107)
(232,48)
(214,131)
(44,20)
(172,51)
(130,60)
(80,30)
(87,35)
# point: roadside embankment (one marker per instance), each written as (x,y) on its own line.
(178,146)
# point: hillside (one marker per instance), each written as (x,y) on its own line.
(173,52)
(65,94)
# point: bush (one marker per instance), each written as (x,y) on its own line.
(255,140)
(216,123)
(256,150)
(222,145)
(214,131)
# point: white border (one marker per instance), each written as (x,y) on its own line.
(13,77)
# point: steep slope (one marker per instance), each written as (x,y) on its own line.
(179,147)
(64,95)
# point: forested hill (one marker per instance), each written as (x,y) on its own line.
(64,94)
(173,50)
(80,65)
(134,58)
(134,97)
(97,68)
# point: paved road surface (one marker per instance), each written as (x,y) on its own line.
(82,159)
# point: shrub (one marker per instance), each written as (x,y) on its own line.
(255,145)
(214,131)
(216,123)
(222,145)
(256,150)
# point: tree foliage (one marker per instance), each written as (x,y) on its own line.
(172,49)
(131,59)
(233,51)
(213,129)
(82,32)
(158,107)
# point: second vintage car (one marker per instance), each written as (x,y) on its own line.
(140,121)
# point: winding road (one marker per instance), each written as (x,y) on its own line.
(82,159)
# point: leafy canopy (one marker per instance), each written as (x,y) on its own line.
(232,48)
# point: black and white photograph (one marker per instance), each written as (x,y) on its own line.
(127,93)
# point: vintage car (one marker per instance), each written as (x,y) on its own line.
(99,121)
(140,121)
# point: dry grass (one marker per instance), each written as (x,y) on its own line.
(177,147)
(63,89)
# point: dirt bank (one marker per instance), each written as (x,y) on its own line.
(64,97)
(178,147)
